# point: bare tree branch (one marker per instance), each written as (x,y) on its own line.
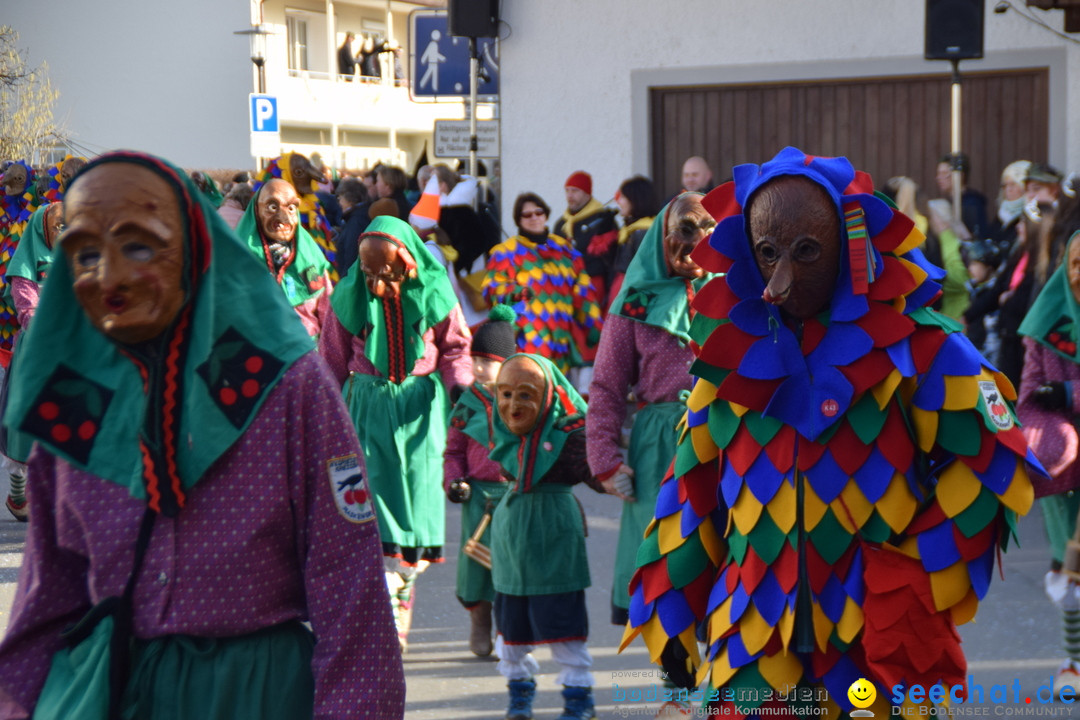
(27,98)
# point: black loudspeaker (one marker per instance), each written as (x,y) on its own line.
(954,29)
(474,18)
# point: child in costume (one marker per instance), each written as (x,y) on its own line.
(397,342)
(1048,404)
(470,477)
(848,465)
(538,563)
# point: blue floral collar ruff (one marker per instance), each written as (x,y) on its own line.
(808,379)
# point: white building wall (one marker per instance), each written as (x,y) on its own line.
(168,78)
(575,73)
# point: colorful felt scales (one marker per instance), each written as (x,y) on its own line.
(552,295)
(841,485)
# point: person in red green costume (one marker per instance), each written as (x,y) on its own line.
(271,228)
(298,171)
(470,477)
(178,406)
(1047,406)
(26,271)
(848,466)
(398,344)
(644,350)
(18,201)
(544,278)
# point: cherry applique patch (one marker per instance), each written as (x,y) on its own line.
(237,374)
(67,413)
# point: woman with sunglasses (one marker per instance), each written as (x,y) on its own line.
(544,278)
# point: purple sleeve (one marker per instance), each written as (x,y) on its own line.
(613,376)
(25,294)
(335,346)
(1033,374)
(1050,433)
(357,660)
(452,337)
(322,307)
(455,463)
(51,595)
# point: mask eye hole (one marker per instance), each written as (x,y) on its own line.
(766,252)
(807,251)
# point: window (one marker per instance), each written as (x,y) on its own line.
(296,32)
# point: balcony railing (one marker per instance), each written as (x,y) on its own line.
(313,98)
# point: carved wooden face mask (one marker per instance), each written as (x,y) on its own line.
(69,168)
(54,223)
(384,270)
(278,211)
(519,394)
(795,235)
(124,242)
(687,224)
(15,180)
(301,172)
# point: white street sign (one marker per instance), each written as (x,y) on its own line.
(452,138)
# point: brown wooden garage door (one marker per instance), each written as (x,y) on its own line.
(886,126)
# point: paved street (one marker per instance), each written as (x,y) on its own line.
(1016,634)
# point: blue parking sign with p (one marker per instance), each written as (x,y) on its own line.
(264,114)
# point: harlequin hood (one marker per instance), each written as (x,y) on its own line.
(744,344)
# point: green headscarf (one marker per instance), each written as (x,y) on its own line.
(155,418)
(649,294)
(530,457)
(474,414)
(394,329)
(210,189)
(33,257)
(304,276)
(1054,317)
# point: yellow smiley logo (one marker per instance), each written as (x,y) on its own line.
(862,693)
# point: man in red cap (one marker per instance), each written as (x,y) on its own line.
(591,228)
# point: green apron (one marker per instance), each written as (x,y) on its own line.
(1059,516)
(538,542)
(402,430)
(652,445)
(17,444)
(473,579)
(265,675)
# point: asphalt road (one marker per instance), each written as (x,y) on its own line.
(1015,637)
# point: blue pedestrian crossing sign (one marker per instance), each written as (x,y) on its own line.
(439,61)
(264,113)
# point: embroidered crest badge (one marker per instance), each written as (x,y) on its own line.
(996,408)
(350,489)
